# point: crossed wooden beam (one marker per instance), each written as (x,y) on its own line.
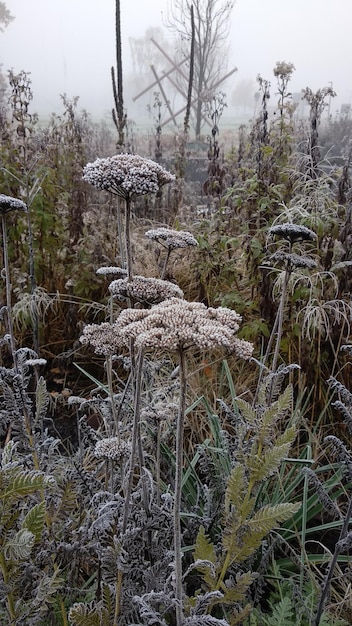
(175,68)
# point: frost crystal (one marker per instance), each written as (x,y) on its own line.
(172,239)
(7,204)
(127,175)
(142,289)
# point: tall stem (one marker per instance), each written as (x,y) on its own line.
(128,239)
(178,488)
(119,233)
(8,292)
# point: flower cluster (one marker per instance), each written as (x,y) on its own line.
(292,232)
(294,260)
(112,448)
(172,239)
(172,325)
(145,290)
(105,271)
(127,175)
(103,337)
(176,324)
(8,203)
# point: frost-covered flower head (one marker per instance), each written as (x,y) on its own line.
(145,290)
(127,175)
(292,232)
(293,260)
(104,338)
(112,448)
(172,325)
(111,270)
(8,203)
(176,324)
(172,239)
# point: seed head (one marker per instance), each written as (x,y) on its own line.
(292,232)
(127,175)
(7,204)
(145,290)
(172,239)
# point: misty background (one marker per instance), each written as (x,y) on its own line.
(69,47)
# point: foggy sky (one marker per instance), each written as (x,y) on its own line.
(69,45)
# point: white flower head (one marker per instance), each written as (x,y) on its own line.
(172,239)
(8,203)
(127,175)
(292,232)
(112,448)
(145,290)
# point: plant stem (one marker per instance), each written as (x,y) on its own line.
(163,273)
(112,399)
(128,239)
(119,233)
(8,292)
(178,487)
(327,581)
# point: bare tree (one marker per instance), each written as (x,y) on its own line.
(211,27)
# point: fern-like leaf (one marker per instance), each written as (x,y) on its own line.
(263,466)
(282,613)
(236,488)
(235,590)
(42,400)
(204,549)
(81,614)
(268,516)
(26,482)
(19,547)
(34,520)
(248,413)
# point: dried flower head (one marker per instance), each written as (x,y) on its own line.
(293,260)
(176,324)
(172,239)
(111,270)
(283,69)
(103,337)
(7,204)
(292,232)
(127,175)
(112,448)
(145,290)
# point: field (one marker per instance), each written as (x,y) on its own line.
(176,370)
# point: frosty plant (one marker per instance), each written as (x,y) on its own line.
(171,240)
(180,327)
(289,260)
(7,204)
(127,176)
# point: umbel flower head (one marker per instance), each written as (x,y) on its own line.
(8,203)
(127,175)
(111,269)
(172,239)
(145,290)
(292,232)
(293,260)
(111,448)
(172,325)
(176,324)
